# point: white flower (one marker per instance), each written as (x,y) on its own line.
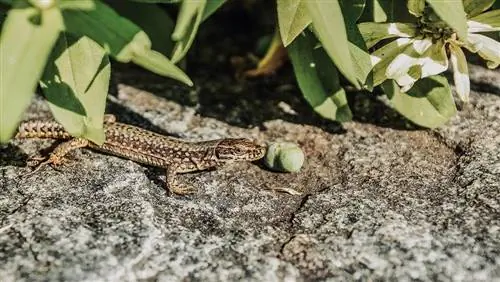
(421,52)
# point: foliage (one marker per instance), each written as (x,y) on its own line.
(64,46)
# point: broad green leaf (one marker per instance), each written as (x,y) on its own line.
(318,79)
(452,12)
(328,24)
(416,7)
(357,46)
(75,83)
(379,15)
(26,40)
(156,1)
(374,32)
(149,17)
(475,7)
(384,56)
(429,103)
(378,11)
(386,11)
(354,7)
(211,7)
(124,40)
(486,22)
(85,5)
(188,21)
(293,18)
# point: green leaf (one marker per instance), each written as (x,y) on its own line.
(151,19)
(328,24)
(374,32)
(452,12)
(124,40)
(429,103)
(188,21)
(318,79)
(485,22)
(355,8)
(386,11)
(155,1)
(211,7)
(379,14)
(26,40)
(357,46)
(416,7)
(293,18)
(85,5)
(75,84)
(476,7)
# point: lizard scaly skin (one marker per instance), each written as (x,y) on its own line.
(146,147)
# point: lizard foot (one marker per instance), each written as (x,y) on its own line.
(181,189)
(40,162)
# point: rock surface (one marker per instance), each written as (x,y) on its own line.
(381,200)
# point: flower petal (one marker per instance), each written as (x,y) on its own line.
(383,56)
(486,47)
(485,22)
(374,32)
(435,60)
(460,72)
(410,57)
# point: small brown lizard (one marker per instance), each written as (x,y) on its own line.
(146,147)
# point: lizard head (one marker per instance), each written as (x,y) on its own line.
(239,150)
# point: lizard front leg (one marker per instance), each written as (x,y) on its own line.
(174,186)
(57,156)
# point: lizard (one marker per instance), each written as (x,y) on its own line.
(146,147)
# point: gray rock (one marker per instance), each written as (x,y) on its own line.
(379,201)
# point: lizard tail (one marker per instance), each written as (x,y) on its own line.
(42,129)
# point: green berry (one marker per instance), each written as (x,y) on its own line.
(285,157)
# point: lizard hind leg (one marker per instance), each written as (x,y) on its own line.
(174,186)
(57,156)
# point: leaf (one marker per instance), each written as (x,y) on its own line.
(328,23)
(355,8)
(124,40)
(416,7)
(452,12)
(429,103)
(318,79)
(211,7)
(151,19)
(475,7)
(276,56)
(188,21)
(84,5)
(155,1)
(386,11)
(357,46)
(75,84)
(485,22)
(293,18)
(374,32)
(26,40)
